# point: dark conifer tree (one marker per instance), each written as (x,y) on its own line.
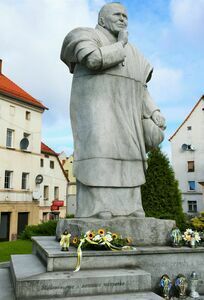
(161,196)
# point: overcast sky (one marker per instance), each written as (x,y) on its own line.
(169,32)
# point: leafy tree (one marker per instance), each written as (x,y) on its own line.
(161,196)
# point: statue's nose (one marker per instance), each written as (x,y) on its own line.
(121,18)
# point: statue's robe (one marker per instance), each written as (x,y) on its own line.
(107,105)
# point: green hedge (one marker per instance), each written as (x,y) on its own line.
(161,196)
(45,228)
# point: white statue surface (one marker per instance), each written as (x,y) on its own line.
(114,119)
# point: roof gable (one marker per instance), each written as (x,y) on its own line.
(202,98)
(47,150)
(10,89)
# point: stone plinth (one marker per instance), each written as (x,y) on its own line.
(113,274)
(143,231)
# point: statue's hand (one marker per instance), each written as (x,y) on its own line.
(123,37)
(158,119)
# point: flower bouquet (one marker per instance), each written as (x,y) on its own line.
(100,240)
(191,238)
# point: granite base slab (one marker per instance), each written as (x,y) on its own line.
(143,231)
(157,260)
(32,282)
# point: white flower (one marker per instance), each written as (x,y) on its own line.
(197,236)
(87,233)
(97,238)
(188,231)
(108,237)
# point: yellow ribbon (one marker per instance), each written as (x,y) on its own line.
(104,242)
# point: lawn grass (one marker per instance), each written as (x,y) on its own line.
(14,247)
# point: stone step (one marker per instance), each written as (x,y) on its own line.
(25,266)
(6,288)
(49,250)
(126,296)
(31,280)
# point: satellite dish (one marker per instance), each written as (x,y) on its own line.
(24,144)
(184,147)
(39,179)
(192,148)
(36,195)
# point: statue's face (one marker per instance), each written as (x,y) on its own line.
(115,19)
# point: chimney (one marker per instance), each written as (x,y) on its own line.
(0,66)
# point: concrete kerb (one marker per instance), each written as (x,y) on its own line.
(5,264)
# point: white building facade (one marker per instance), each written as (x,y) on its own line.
(23,160)
(67,163)
(187,147)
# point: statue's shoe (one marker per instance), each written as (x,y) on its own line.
(105,215)
(138,214)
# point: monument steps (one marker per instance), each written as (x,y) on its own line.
(31,280)
(48,272)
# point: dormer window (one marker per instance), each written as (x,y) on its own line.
(27,115)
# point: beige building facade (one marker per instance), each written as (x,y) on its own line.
(24,159)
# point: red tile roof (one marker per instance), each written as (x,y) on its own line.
(202,98)
(47,150)
(9,88)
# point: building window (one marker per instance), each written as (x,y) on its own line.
(56,192)
(189,127)
(45,216)
(52,164)
(46,192)
(42,162)
(24,183)
(192,206)
(12,110)
(9,138)
(191,166)
(191,185)
(27,115)
(8,179)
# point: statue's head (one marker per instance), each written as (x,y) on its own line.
(113,17)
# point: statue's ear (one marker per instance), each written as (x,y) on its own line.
(102,21)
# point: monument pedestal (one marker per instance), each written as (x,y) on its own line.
(126,275)
(143,231)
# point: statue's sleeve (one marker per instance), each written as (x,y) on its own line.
(149,107)
(82,45)
(106,57)
(78,43)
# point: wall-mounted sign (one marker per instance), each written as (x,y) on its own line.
(39,179)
